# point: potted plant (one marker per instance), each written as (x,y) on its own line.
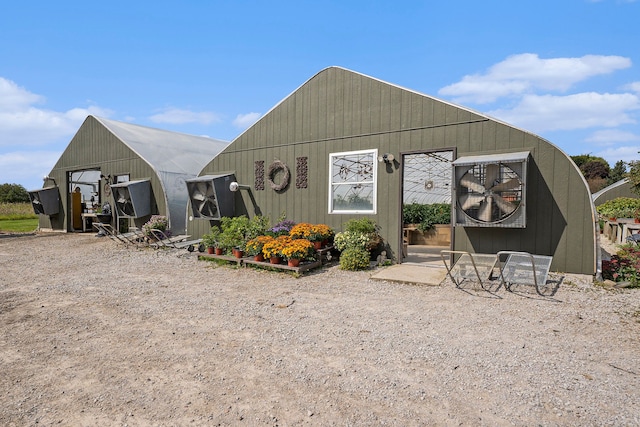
(254,247)
(272,250)
(156,222)
(210,240)
(297,250)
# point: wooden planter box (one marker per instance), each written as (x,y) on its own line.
(263,264)
(440,235)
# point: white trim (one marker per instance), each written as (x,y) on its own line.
(374,182)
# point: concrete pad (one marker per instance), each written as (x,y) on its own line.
(412,273)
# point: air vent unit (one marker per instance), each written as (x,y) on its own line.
(45,201)
(490,190)
(211,197)
(132,198)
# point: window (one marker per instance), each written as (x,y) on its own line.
(353,182)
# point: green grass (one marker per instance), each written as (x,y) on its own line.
(18,225)
(17,217)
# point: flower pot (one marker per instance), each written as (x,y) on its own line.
(238,253)
(275,260)
(317,244)
(218,251)
(210,250)
(636,220)
(293,262)
(258,258)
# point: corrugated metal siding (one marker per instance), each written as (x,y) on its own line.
(338,110)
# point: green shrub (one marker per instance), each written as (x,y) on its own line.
(350,239)
(621,207)
(426,216)
(354,259)
(367,227)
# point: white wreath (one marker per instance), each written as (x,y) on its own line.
(276,166)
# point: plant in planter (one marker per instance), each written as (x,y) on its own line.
(426,216)
(254,246)
(367,227)
(620,207)
(156,222)
(350,239)
(211,239)
(273,249)
(297,250)
(283,227)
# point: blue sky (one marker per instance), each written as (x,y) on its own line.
(568,70)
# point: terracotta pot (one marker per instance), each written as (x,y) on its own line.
(218,251)
(293,262)
(317,244)
(612,219)
(210,250)
(259,258)
(238,253)
(636,220)
(275,260)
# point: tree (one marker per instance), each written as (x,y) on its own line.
(634,176)
(13,193)
(618,172)
(596,170)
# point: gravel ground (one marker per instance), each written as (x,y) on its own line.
(93,333)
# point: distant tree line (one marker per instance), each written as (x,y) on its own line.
(13,193)
(597,171)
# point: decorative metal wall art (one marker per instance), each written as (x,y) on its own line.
(258,170)
(301,172)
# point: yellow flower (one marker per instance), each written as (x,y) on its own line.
(298,249)
(274,247)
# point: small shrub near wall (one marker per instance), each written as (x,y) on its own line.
(354,258)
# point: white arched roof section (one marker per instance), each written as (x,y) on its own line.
(175,157)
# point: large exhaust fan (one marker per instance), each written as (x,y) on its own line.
(211,197)
(132,199)
(490,190)
(45,201)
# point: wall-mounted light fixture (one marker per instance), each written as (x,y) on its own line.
(386,158)
(234,186)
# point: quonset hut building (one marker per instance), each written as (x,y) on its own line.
(140,171)
(340,145)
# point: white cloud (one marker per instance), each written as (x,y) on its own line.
(624,153)
(633,87)
(243,121)
(27,167)
(524,73)
(178,116)
(21,123)
(611,136)
(541,113)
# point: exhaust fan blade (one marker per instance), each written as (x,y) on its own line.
(467,201)
(503,205)
(507,185)
(471,182)
(485,210)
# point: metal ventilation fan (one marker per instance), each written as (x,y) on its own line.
(490,190)
(211,197)
(204,199)
(45,201)
(132,198)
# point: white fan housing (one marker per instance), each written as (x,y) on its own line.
(489,191)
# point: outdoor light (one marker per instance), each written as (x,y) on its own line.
(386,158)
(234,186)
(48,178)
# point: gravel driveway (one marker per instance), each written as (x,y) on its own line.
(93,333)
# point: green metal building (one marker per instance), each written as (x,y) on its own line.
(140,171)
(338,148)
